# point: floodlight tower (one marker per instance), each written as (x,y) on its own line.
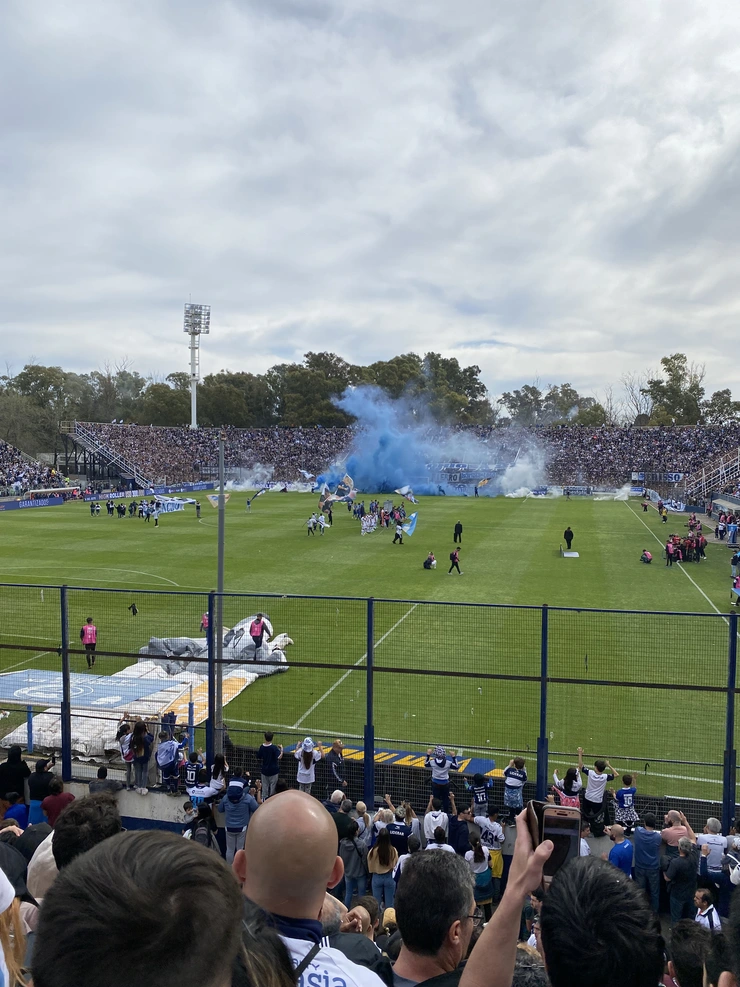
(197,322)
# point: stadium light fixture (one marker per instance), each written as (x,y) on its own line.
(196,323)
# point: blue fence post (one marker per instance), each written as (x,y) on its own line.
(210,722)
(730,758)
(542,742)
(29,729)
(191,722)
(369,742)
(65,723)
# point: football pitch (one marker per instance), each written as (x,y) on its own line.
(671,735)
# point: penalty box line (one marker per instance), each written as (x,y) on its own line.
(350,670)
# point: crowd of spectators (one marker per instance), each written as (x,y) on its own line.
(182,454)
(334,892)
(18,474)
(573,454)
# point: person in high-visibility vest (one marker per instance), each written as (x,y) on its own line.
(89,637)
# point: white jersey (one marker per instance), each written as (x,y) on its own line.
(491,833)
(330,966)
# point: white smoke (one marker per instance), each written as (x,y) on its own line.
(622,494)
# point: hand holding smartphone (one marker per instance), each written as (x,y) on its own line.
(561,825)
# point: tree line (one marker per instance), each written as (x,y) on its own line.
(35,401)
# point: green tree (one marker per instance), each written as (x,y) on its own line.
(163,405)
(720,408)
(677,394)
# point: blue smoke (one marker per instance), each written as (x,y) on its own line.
(394,441)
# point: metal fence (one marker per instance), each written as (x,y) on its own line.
(655,693)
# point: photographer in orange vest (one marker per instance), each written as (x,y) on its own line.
(89,637)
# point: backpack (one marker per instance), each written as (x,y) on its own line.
(452,556)
(203,834)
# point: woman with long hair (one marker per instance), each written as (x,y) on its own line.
(123,736)
(566,789)
(141,748)
(364,822)
(380,863)
(12,936)
(478,858)
(307,755)
(219,770)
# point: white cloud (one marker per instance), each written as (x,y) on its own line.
(544,188)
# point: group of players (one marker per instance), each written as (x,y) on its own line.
(145,509)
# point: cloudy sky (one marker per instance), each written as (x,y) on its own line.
(545,188)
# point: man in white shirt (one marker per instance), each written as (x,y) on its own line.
(438,841)
(292,886)
(434,817)
(593,800)
(491,830)
(717,843)
(706,914)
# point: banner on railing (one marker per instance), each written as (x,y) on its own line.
(20,505)
(150,491)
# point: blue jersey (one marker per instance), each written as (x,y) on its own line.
(514,777)
(626,797)
(480,793)
(191,773)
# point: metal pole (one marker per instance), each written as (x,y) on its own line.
(542,742)
(219,724)
(66,706)
(193,380)
(211,721)
(369,740)
(730,758)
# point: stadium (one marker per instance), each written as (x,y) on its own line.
(369,497)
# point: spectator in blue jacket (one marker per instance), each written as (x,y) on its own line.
(647,842)
(238,806)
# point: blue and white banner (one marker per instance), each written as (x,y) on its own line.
(150,491)
(410,526)
(166,505)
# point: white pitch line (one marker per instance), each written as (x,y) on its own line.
(656,774)
(24,662)
(94,568)
(660,542)
(350,670)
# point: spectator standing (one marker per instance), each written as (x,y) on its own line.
(141,748)
(625,813)
(123,736)
(399,832)
(457,533)
(342,819)
(291,887)
(38,789)
(219,770)
(648,842)
(307,755)
(436,915)
(478,859)
(593,799)
(717,843)
(13,773)
(566,789)
(353,852)
(335,765)
(441,763)
(675,829)
(269,755)
(435,817)
(706,914)
(689,948)
(620,854)
(458,832)
(381,861)
(680,877)
(238,807)
(168,760)
(55,801)
(515,777)
(439,842)
(105,784)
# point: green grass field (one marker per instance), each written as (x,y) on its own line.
(509,556)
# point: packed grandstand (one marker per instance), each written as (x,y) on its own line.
(572,454)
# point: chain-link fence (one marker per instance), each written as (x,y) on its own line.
(652,692)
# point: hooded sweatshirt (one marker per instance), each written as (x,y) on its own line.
(237,806)
(433,819)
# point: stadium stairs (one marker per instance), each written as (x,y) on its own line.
(714,476)
(84,437)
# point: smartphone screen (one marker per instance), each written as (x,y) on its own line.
(565,833)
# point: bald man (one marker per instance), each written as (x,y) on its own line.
(288,862)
